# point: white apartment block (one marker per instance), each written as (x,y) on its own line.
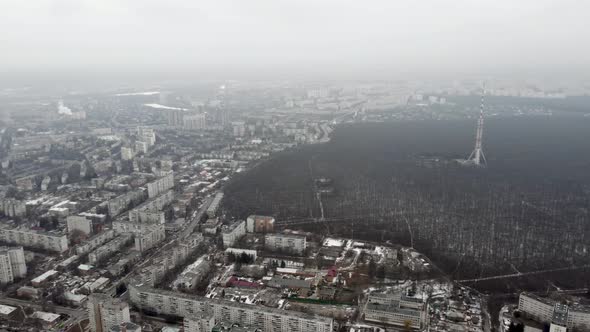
(109,248)
(32,238)
(232,233)
(150,211)
(13,208)
(214,206)
(395,309)
(120,203)
(202,322)
(127,153)
(130,227)
(79,223)
(264,318)
(160,185)
(195,122)
(168,260)
(147,135)
(12,264)
(105,312)
(288,243)
(193,274)
(95,241)
(147,216)
(543,310)
(6,276)
(149,238)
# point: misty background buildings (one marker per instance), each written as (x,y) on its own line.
(294,166)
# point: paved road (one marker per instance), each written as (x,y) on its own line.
(183,235)
(514,275)
(197,218)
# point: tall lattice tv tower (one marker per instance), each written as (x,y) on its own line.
(477,157)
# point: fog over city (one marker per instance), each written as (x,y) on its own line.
(325,38)
(295,165)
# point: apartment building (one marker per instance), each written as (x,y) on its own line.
(149,238)
(26,237)
(264,318)
(395,309)
(260,224)
(287,243)
(170,258)
(214,206)
(160,185)
(230,234)
(105,312)
(550,311)
(95,242)
(200,322)
(12,264)
(79,223)
(151,211)
(109,248)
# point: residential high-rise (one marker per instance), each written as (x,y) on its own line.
(175,117)
(200,322)
(105,312)
(195,122)
(12,264)
(79,223)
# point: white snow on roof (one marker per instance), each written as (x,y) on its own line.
(164,107)
(146,93)
(330,242)
(6,309)
(45,316)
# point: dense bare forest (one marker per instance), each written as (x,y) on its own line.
(528,210)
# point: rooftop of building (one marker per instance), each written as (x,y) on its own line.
(560,314)
(286,236)
(392,307)
(231,227)
(275,311)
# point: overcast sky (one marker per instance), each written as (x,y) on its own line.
(323,36)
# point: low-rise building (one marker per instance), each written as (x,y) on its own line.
(47,319)
(287,243)
(395,309)
(260,224)
(43,278)
(125,327)
(239,251)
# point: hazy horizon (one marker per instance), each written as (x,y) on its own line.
(305,38)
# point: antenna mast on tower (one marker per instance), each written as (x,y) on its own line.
(477,157)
